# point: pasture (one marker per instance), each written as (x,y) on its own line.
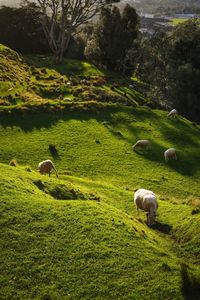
(78,236)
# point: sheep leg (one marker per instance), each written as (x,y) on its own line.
(137,211)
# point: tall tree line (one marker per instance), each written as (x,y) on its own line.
(112,37)
(170,63)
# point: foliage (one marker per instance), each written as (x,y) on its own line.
(112,36)
(170,64)
(184,69)
(20,29)
(60,20)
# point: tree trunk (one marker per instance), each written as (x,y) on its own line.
(62,47)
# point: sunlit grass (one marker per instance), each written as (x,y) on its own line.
(177,21)
(78,236)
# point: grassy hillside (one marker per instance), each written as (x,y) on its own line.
(81,248)
(78,236)
(84,139)
(37,81)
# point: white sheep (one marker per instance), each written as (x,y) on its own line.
(170,153)
(142,144)
(173,113)
(146,200)
(68,84)
(47,166)
(83,81)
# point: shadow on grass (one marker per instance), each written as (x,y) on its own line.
(190,284)
(187,164)
(68,67)
(46,119)
(31,121)
(181,137)
(177,132)
(164,228)
(54,152)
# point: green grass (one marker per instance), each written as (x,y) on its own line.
(177,21)
(90,245)
(78,236)
(37,80)
(79,249)
(70,66)
(84,139)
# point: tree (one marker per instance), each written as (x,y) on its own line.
(112,37)
(60,20)
(21,31)
(170,64)
(152,67)
(184,69)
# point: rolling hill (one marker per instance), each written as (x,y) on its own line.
(78,236)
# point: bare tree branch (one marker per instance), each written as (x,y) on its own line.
(60,20)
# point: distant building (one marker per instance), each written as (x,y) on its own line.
(185,16)
(150,23)
(149,16)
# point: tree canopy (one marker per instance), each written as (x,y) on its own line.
(170,63)
(60,20)
(20,29)
(112,37)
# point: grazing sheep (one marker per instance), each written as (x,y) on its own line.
(170,153)
(47,166)
(13,163)
(146,200)
(173,113)
(142,144)
(83,81)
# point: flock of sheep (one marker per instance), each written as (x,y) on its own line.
(146,199)
(143,199)
(145,144)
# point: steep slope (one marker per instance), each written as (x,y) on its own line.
(78,236)
(85,139)
(77,249)
(37,81)
(93,245)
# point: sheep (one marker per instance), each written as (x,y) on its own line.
(142,144)
(146,200)
(47,166)
(68,84)
(170,153)
(173,113)
(83,81)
